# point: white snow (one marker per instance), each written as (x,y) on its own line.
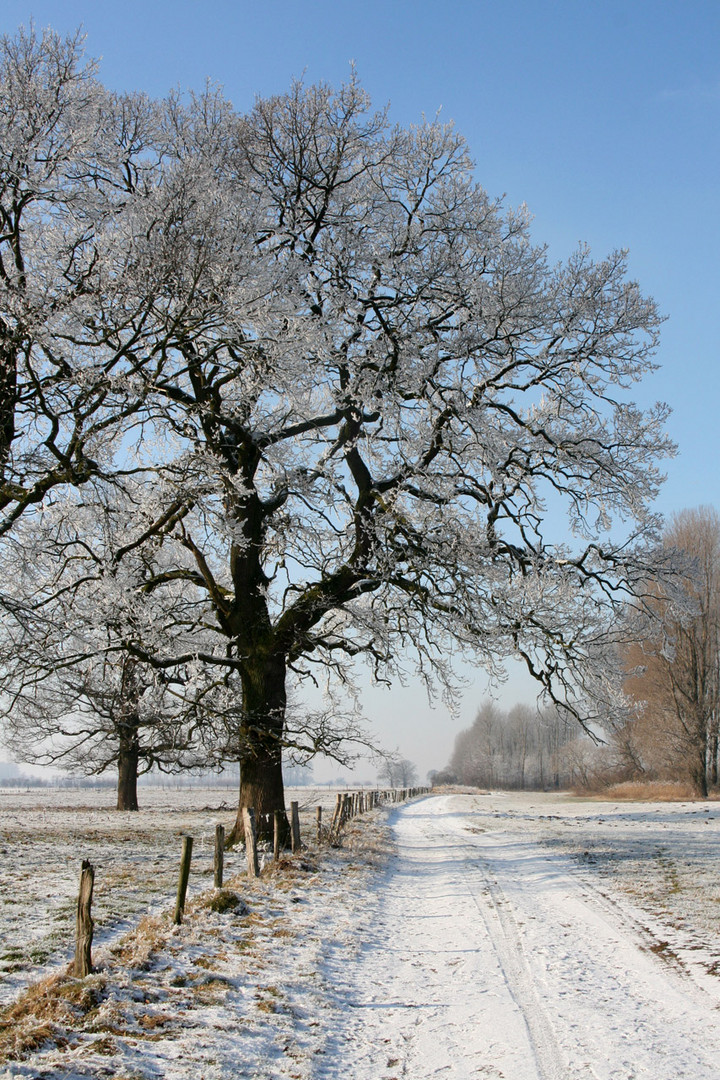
(515,936)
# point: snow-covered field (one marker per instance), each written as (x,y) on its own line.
(46,833)
(515,936)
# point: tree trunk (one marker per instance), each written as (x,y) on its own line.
(128,759)
(699,767)
(261,735)
(699,779)
(127,726)
(262,789)
(8,400)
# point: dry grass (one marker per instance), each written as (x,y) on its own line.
(137,948)
(224,900)
(650,791)
(285,872)
(45,1011)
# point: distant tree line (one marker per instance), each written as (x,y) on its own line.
(518,749)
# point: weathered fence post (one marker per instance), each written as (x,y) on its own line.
(336,821)
(294,827)
(219,861)
(318,818)
(184,876)
(277,833)
(83,941)
(251,842)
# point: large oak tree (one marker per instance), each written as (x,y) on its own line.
(370,417)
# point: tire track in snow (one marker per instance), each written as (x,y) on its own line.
(427,996)
(618,1012)
(506,937)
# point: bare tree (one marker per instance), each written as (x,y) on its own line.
(73,693)
(675,676)
(384,427)
(397,771)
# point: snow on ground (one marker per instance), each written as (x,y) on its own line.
(515,936)
(45,833)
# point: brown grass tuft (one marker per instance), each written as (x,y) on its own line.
(224,900)
(42,1013)
(136,948)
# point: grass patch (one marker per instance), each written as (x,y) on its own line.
(137,948)
(650,791)
(223,900)
(44,1011)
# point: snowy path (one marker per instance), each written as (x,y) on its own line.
(491,957)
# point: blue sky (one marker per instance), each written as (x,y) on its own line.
(601,115)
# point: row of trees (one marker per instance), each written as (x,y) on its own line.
(519,748)
(284,390)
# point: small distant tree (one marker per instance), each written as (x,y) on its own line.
(297,773)
(398,772)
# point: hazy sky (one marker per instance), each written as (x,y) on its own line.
(601,115)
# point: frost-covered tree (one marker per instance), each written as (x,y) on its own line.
(403,385)
(73,692)
(397,771)
(362,399)
(73,160)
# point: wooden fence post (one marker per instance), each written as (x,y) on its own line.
(185,858)
(219,861)
(318,818)
(251,842)
(338,813)
(294,827)
(83,942)
(277,833)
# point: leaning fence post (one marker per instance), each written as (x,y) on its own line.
(219,860)
(251,842)
(184,876)
(83,943)
(294,827)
